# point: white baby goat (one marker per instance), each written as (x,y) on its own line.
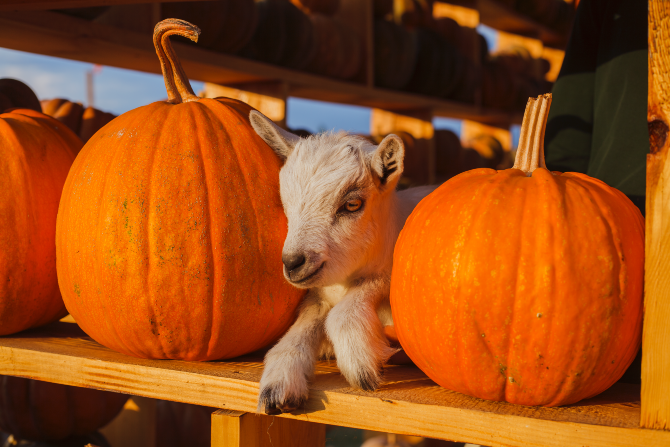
(344,216)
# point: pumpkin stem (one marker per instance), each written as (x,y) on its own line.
(530,154)
(176,82)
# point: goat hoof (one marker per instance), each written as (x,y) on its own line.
(272,410)
(274,406)
(367,381)
(287,407)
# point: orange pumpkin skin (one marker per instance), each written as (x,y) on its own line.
(170,234)
(521,289)
(36,154)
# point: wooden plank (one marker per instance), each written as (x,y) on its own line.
(226,428)
(34,5)
(135,426)
(555,58)
(53,34)
(239,429)
(269,98)
(656,329)
(406,403)
(472,129)
(501,17)
(419,164)
(463,16)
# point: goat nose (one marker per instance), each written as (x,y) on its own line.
(293,261)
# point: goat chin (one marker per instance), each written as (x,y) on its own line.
(344,215)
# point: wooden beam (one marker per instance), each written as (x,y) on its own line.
(656,330)
(36,5)
(499,16)
(407,402)
(238,429)
(269,98)
(53,34)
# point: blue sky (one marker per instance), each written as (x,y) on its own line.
(119,90)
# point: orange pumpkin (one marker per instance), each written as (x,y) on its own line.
(40,411)
(521,285)
(36,153)
(171,228)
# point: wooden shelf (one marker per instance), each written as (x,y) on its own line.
(498,16)
(53,34)
(503,18)
(407,402)
(35,5)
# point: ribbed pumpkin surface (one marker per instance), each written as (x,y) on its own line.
(521,289)
(170,234)
(36,153)
(40,411)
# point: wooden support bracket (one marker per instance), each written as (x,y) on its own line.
(238,429)
(655,411)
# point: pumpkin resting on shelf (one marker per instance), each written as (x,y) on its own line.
(170,229)
(36,153)
(521,285)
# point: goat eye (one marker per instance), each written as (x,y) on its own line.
(353,205)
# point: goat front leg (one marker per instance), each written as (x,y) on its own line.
(290,363)
(356,332)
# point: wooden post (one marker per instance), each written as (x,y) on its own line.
(655,395)
(135,426)
(420,159)
(269,98)
(238,429)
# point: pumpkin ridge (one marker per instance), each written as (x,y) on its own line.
(566,392)
(152,295)
(563,385)
(545,189)
(488,189)
(14,171)
(559,212)
(33,165)
(248,193)
(606,207)
(55,132)
(96,264)
(110,161)
(521,218)
(203,110)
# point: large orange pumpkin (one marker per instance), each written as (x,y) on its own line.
(521,285)
(36,153)
(171,228)
(40,411)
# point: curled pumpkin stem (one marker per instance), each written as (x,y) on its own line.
(176,82)
(530,154)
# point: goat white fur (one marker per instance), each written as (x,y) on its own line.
(344,216)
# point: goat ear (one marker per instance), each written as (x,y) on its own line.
(281,141)
(386,162)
